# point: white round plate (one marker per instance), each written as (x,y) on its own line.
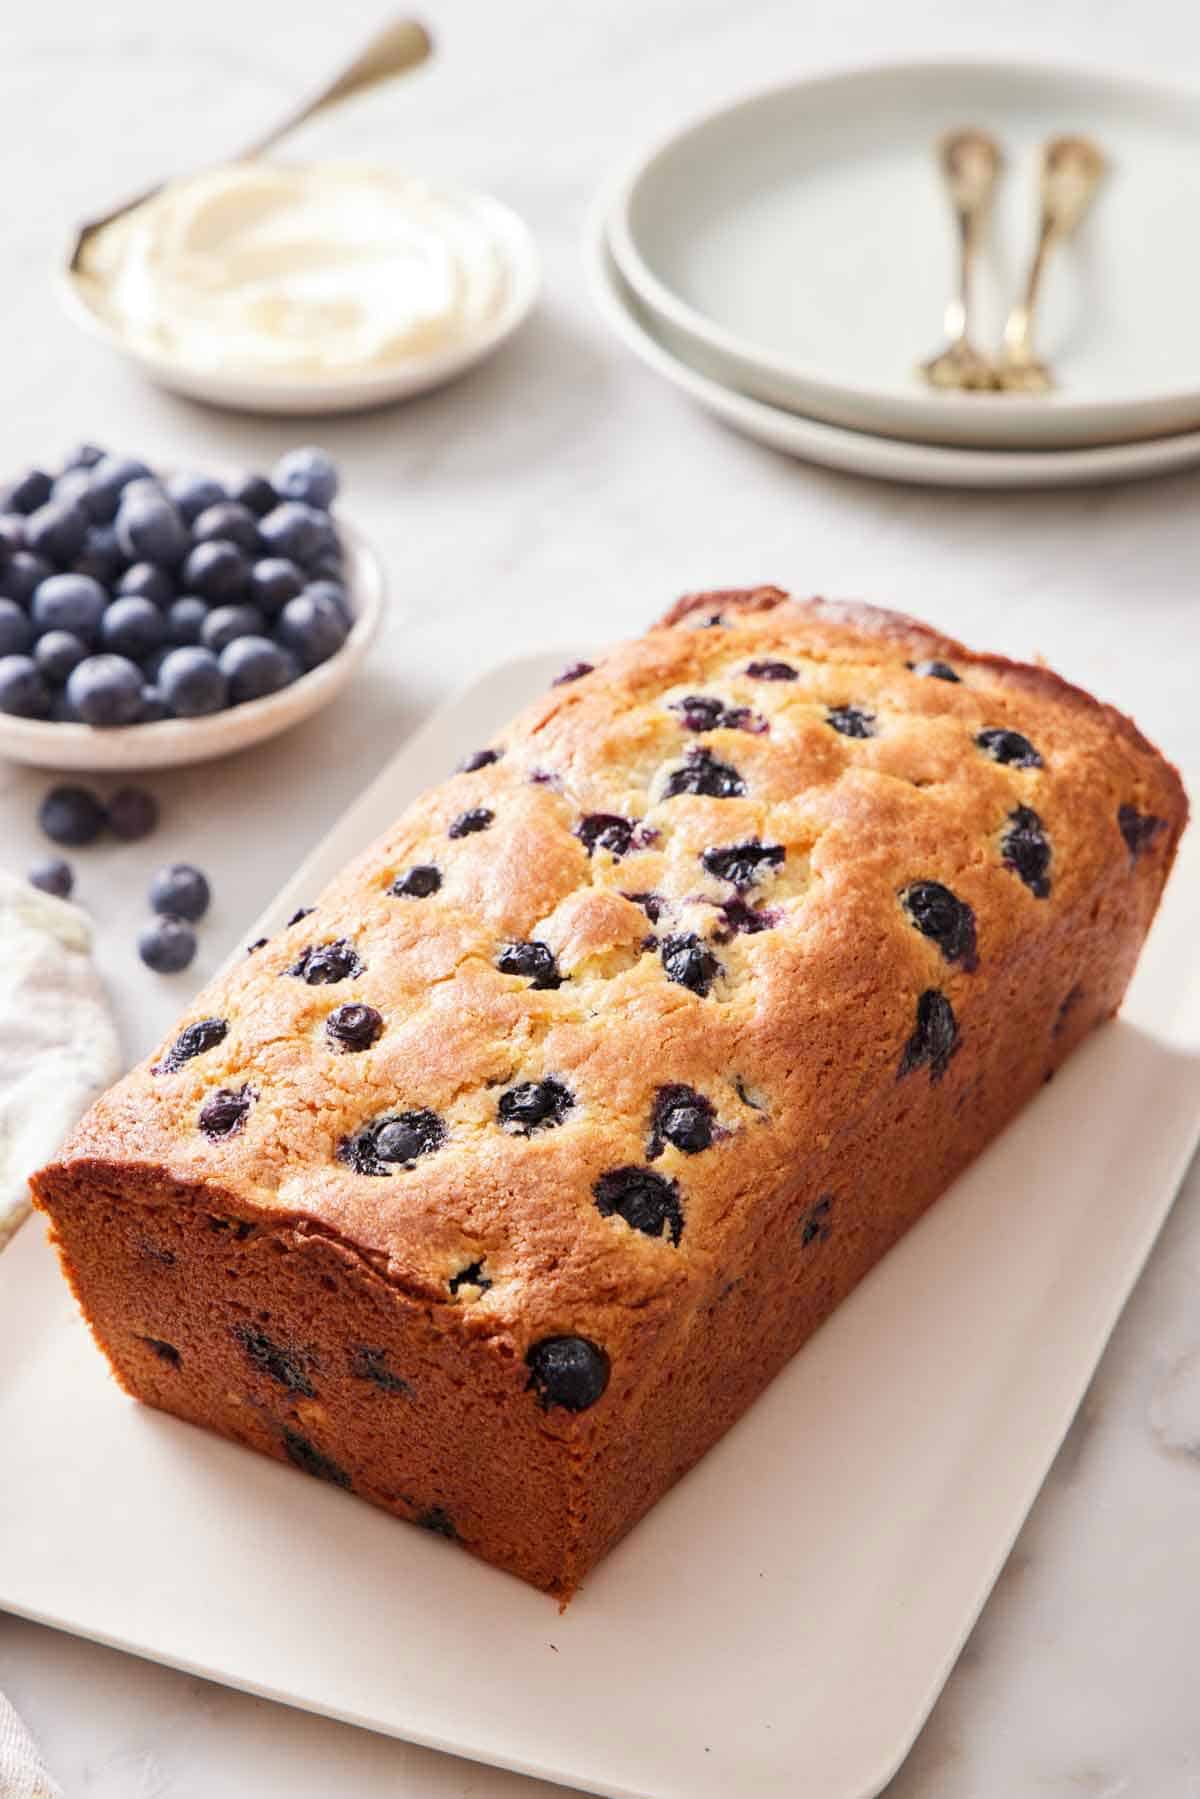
(316,394)
(798,245)
(174,741)
(859,452)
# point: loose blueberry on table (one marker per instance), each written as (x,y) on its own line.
(105,565)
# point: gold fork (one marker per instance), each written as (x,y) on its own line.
(970,162)
(1072,168)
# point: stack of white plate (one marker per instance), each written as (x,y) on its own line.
(786,261)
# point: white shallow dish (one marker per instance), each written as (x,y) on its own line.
(172,742)
(797,245)
(861,452)
(315,394)
(782,1622)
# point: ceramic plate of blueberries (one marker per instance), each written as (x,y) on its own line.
(105,634)
(780,1625)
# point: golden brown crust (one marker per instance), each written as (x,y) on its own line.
(856,776)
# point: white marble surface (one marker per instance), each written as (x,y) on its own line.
(560,492)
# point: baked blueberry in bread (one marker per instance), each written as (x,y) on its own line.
(494,1188)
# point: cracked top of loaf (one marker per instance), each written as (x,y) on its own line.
(543,1046)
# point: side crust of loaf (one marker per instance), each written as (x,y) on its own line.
(376,1331)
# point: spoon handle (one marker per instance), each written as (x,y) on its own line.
(970,162)
(400,46)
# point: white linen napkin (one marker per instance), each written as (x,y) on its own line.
(58,1050)
(22,1772)
(58,1043)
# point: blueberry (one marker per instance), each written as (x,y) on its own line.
(72,816)
(743,863)
(180,891)
(70,487)
(772,671)
(23,693)
(298,914)
(149,529)
(648,1202)
(192,683)
(255,493)
(405,1137)
(312,628)
(567,1371)
(16,632)
(230,523)
(330,593)
(53,875)
(479,759)
(101,556)
(132,627)
(110,477)
(106,690)
(704,712)
(287,1366)
(293,530)
(737,916)
(31,491)
(12,533)
(148,582)
(851,721)
(273,582)
(73,603)
(606,831)
(533,961)
(23,575)
(690,963)
(372,1365)
(218,571)
(224,1113)
(193,1040)
(194,494)
(1139,829)
(704,773)
(153,708)
(56,531)
(943,917)
(61,709)
(815,1227)
(143,487)
(84,455)
(1008,747)
(681,1117)
(1025,849)
(467,824)
(308,1458)
(185,619)
(57,653)
(351,1028)
(254,666)
(418,882)
(327,567)
(224,623)
(534,1106)
(934,670)
(935,1037)
(323,964)
(167,945)
(132,813)
(574,671)
(307,474)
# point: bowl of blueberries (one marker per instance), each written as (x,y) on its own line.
(152,619)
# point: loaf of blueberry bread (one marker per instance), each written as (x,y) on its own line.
(495,1186)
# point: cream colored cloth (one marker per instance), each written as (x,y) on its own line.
(22,1773)
(58,1043)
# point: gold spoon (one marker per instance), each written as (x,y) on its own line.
(394,50)
(1071,171)
(970,162)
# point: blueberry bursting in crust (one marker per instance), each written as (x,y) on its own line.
(394,1141)
(648,1202)
(941,916)
(935,1037)
(567,1371)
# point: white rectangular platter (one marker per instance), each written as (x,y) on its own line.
(780,1625)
